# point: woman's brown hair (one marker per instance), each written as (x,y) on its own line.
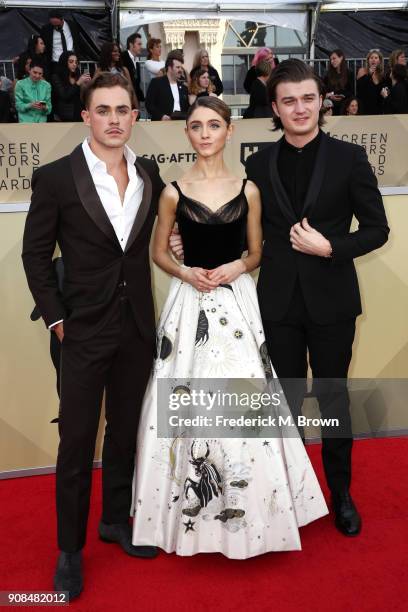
(195,86)
(337,80)
(213,103)
(152,42)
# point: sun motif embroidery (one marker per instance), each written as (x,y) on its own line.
(218,358)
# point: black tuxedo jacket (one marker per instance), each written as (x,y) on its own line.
(47,32)
(159,98)
(65,208)
(134,75)
(342,185)
(259,105)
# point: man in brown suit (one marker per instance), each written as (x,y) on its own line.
(99,204)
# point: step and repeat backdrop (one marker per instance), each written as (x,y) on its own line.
(25,147)
(29,401)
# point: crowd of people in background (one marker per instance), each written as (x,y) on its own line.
(48,79)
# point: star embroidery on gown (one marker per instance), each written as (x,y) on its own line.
(189,526)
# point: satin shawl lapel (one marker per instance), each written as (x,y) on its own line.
(144,205)
(88,195)
(169,92)
(317,176)
(278,189)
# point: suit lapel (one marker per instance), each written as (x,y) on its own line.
(317,176)
(88,195)
(144,205)
(169,93)
(277,187)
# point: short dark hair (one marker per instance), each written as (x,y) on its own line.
(292,71)
(131,39)
(214,104)
(37,64)
(175,55)
(107,80)
(55,14)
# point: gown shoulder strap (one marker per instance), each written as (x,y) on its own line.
(175,184)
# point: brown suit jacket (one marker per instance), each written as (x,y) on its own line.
(66,209)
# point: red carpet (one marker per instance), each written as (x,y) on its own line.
(331,573)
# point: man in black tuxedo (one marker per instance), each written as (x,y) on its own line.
(167,97)
(99,204)
(130,59)
(59,35)
(311,187)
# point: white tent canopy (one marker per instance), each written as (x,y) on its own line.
(55,4)
(291,14)
(294,21)
(210,8)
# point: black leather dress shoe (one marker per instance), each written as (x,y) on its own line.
(68,575)
(121,533)
(347,519)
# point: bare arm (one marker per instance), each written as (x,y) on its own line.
(166,218)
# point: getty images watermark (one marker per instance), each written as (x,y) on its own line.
(213,400)
(232,408)
(252,408)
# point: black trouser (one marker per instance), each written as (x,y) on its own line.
(330,348)
(119,361)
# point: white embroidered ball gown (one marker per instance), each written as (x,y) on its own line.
(240,497)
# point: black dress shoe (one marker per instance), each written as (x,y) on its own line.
(347,519)
(121,533)
(68,575)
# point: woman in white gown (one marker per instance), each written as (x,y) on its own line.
(238,496)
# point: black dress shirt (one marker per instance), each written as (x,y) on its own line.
(295,168)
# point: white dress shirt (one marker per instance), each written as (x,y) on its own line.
(122,216)
(134,58)
(176,96)
(57,48)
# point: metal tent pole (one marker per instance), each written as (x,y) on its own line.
(315,14)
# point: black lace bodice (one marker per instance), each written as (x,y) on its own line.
(211,239)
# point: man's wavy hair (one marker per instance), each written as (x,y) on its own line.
(292,71)
(107,80)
